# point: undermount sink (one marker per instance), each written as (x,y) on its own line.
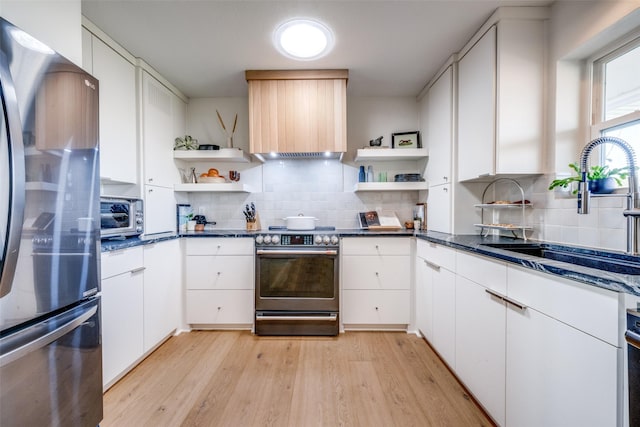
(605,261)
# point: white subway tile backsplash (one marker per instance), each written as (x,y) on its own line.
(320,188)
(613,239)
(589,221)
(612,218)
(604,227)
(589,237)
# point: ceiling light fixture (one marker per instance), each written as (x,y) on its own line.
(303,39)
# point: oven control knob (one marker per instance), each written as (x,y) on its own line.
(267,239)
(318,240)
(275,239)
(259,239)
(334,240)
(326,240)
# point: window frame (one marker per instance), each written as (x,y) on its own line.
(596,64)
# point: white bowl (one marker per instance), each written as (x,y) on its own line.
(211,179)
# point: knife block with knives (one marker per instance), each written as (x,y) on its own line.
(252,217)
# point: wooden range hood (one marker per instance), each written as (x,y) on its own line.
(297,113)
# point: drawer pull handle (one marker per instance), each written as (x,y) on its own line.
(432,265)
(515,303)
(137,270)
(319,318)
(506,299)
(495,294)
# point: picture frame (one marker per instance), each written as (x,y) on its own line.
(406,140)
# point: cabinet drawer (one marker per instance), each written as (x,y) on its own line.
(220,246)
(220,307)
(121,261)
(587,308)
(437,254)
(219,272)
(376,246)
(483,271)
(376,272)
(375,307)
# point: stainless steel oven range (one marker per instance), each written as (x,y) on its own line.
(297,283)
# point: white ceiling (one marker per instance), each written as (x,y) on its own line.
(391,48)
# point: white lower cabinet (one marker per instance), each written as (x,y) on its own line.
(444,314)
(224,307)
(534,350)
(375,282)
(558,375)
(374,307)
(424,298)
(141,303)
(220,282)
(561,369)
(162,290)
(122,312)
(435,293)
(481,331)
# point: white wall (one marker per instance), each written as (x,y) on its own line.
(203,124)
(56,23)
(320,188)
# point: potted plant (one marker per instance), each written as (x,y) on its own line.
(186,143)
(602,179)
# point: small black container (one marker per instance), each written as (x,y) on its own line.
(208,147)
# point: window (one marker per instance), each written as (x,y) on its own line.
(616,101)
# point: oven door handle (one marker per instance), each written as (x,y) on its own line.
(330,318)
(301,252)
(632,339)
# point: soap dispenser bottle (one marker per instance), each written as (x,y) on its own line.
(362,176)
(370,174)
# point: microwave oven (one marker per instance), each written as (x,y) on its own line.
(121,217)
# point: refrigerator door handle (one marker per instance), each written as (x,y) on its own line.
(47,338)
(15,185)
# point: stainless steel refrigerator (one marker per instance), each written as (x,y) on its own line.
(50,349)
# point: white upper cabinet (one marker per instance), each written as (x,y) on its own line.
(163,113)
(118,112)
(163,119)
(439,128)
(500,97)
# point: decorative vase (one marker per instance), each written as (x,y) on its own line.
(230,142)
(603,186)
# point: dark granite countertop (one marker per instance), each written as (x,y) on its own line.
(471,243)
(130,242)
(116,244)
(618,282)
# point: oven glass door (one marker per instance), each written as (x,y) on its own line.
(297,276)
(116,216)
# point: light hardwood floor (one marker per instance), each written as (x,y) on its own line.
(233,378)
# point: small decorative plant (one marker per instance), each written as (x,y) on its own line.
(595,173)
(185,143)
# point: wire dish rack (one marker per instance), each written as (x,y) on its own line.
(495,206)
